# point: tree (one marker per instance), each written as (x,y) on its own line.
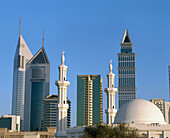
(105,131)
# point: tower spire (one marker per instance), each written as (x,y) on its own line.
(110,67)
(43,39)
(20,26)
(63,57)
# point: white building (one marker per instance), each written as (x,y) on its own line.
(62,105)
(110,91)
(11,122)
(140,114)
(22,56)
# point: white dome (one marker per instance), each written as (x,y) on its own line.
(139,111)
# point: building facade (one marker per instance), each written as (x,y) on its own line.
(159,103)
(126,71)
(11,122)
(37,88)
(167,112)
(22,56)
(89,99)
(5,133)
(50,112)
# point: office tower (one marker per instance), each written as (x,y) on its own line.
(11,122)
(167,112)
(50,112)
(126,71)
(37,88)
(159,103)
(89,99)
(62,105)
(110,91)
(22,55)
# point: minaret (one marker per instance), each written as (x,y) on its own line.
(62,85)
(110,91)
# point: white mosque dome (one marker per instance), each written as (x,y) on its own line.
(139,111)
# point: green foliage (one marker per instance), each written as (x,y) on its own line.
(105,131)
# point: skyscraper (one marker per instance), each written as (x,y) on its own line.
(126,71)
(50,112)
(89,99)
(22,56)
(37,88)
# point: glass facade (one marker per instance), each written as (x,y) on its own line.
(6,123)
(36,106)
(126,72)
(50,112)
(89,100)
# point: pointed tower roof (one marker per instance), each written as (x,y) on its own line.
(20,26)
(39,58)
(43,39)
(22,48)
(126,37)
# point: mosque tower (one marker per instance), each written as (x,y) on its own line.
(63,106)
(110,91)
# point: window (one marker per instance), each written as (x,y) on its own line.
(38,73)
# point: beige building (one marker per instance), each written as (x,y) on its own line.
(167,112)
(164,107)
(159,103)
(4,133)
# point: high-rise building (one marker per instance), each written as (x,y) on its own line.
(126,71)
(62,105)
(159,103)
(22,56)
(50,112)
(110,91)
(89,99)
(37,88)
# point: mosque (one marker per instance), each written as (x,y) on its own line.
(141,114)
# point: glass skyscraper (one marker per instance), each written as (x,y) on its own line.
(22,56)
(89,99)
(50,112)
(126,71)
(37,88)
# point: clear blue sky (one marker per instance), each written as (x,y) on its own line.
(90,32)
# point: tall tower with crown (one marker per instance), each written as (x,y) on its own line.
(126,71)
(110,91)
(63,106)
(37,88)
(22,56)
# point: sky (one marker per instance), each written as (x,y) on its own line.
(90,32)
